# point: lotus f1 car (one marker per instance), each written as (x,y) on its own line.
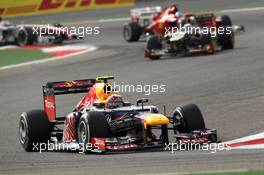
(105,122)
(31,34)
(193,33)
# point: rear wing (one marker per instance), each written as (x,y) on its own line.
(51,89)
(206,19)
(146,12)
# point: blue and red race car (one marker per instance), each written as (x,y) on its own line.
(102,121)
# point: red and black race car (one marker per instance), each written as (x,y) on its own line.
(168,31)
(102,121)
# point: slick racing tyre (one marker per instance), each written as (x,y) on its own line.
(92,124)
(21,37)
(188,118)
(154,43)
(31,36)
(33,130)
(227,39)
(132,31)
(1,36)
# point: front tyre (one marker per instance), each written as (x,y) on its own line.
(188,118)
(154,44)
(227,39)
(33,130)
(92,124)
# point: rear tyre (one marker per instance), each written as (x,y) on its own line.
(31,36)
(132,32)
(227,39)
(92,124)
(188,118)
(154,43)
(22,37)
(33,129)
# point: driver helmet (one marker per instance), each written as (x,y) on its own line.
(103,91)
(114,101)
(173,8)
(192,20)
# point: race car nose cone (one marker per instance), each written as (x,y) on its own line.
(156,119)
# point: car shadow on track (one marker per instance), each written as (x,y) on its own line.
(198,55)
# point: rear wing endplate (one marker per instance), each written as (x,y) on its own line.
(51,89)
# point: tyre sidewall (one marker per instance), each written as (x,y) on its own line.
(18,33)
(37,129)
(84,122)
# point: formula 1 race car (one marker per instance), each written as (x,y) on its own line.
(31,34)
(153,20)
(193,33)
(105,122)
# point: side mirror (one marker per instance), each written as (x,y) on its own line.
(142,101)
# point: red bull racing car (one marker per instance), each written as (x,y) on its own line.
(102,121)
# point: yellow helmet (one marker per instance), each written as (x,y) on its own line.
(103,91)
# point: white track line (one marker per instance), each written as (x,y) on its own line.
(45,60)
(243,9)
(7,47)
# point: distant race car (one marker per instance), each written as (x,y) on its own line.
(141,19)
(105,122)
(31,34)
(158,26)
(191,34)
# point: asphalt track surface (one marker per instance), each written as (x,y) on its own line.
(228,87)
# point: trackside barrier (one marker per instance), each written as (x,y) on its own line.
(12,8)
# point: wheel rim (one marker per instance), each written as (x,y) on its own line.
(178,119)
(83,133)
(23,131)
